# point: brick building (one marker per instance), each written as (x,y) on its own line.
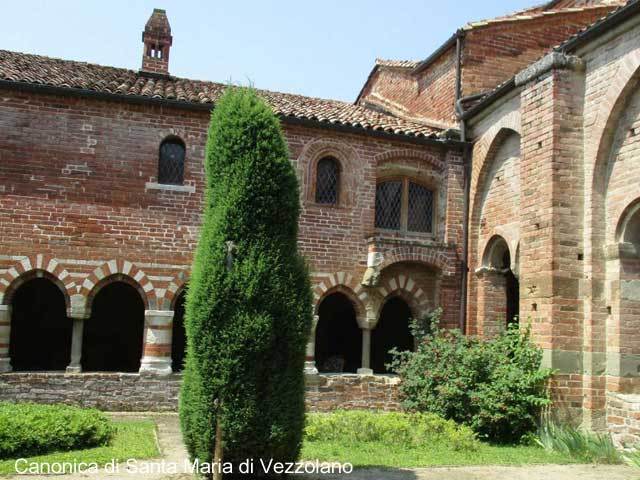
(489,179)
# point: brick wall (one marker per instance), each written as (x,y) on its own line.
(79,199)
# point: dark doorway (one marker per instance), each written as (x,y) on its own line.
(40,330)
(338,337)
(178,337)
(113,335)
(513,297)
(392,331)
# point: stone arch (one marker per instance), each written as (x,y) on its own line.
(628,224)
(119,270)
(344,283)
(350,166)
(406,287)
(37,265)
(491,251)
(168,296)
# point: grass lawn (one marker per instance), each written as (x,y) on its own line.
(133,439)
(370,454)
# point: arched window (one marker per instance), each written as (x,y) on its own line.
(327,181)
(404,205)
(171,161)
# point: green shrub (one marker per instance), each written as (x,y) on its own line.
(584,446)
(247,320)
(407,429)
(29,429)
(495,386)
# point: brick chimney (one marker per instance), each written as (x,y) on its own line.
(157,41)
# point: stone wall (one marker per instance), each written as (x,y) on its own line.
(136,392)
(623,418)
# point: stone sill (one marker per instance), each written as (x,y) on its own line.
(170,188)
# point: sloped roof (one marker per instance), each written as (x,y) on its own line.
(21,68)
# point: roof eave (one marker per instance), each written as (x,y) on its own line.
(207,107)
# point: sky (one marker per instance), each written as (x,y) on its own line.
(321,48)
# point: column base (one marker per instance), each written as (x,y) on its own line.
(310,368)
(364,371)
(74,369)
(5,365)
(156,365)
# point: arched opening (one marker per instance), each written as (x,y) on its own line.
(178,336)
(113,335)
(513,297)
(498,258)
(338,337)
(40,330)
(392,331)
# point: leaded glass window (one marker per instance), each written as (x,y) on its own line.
(327,181)
(389,205)
(404,205)
(420,209)
(171,162)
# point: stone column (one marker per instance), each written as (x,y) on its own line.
(156,354)
(5,336)
(366,324)
(78,312)
(365,368)
(310,358)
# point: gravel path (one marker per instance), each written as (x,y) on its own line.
(173,453)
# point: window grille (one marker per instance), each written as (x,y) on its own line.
(420,211)
(327,181)
(389,205)
(171,162)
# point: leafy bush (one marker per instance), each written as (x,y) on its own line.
(29,429)
(407,429)
(495,386)
(248,313)
(584,446)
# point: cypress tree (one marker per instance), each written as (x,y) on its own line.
(248,312)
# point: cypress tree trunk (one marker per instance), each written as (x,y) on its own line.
(247,321)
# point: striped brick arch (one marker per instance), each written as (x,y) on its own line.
(167,297)
(22,271)
(406,287)
(326,284)
(119,270)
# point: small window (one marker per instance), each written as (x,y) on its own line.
(171,163)
(327,181)
(404,205)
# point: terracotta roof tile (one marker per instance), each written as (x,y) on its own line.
(40,70)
